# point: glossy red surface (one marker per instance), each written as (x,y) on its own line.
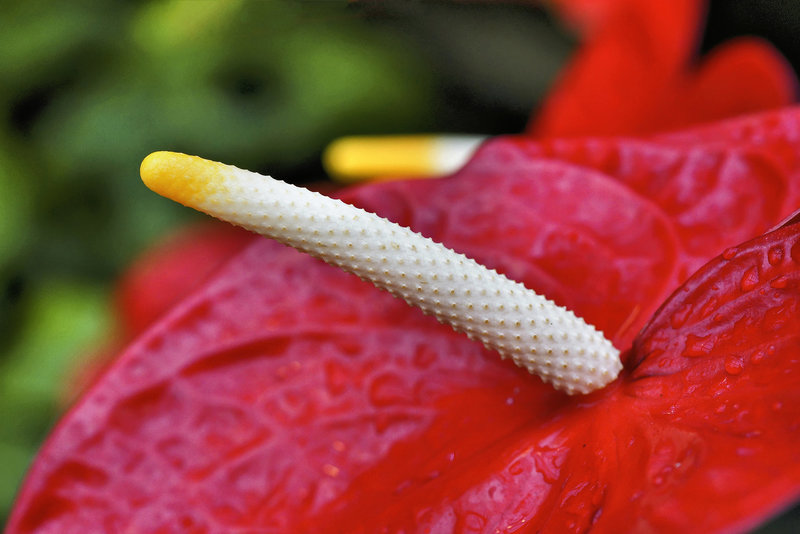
(284,395)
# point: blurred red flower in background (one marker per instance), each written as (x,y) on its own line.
(171,270)
(283,394)
(637,72)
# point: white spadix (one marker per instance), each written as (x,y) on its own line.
(546,339)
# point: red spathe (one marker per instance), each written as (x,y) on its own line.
(285,395)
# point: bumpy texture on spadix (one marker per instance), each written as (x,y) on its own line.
(547,340)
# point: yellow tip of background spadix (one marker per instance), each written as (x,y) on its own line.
(180,177)
(353,159)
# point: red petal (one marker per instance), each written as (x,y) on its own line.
(715,196)
(772,136)
(719,367)
(621,76)
(739,77)
(634,75)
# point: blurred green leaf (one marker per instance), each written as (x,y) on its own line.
(63,319)
(265,85)
(16,206)
(39,40)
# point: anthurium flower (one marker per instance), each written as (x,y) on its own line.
(285,395)
(637,72)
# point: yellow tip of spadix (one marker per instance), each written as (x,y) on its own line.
(180,177)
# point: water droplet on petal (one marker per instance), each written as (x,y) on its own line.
(775,255)
(779,282)
(698,345)
(679,317)
(711,305)
(758,356)
(750,279)
(733,365)
(775,318)
(795,252)
(730,253)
